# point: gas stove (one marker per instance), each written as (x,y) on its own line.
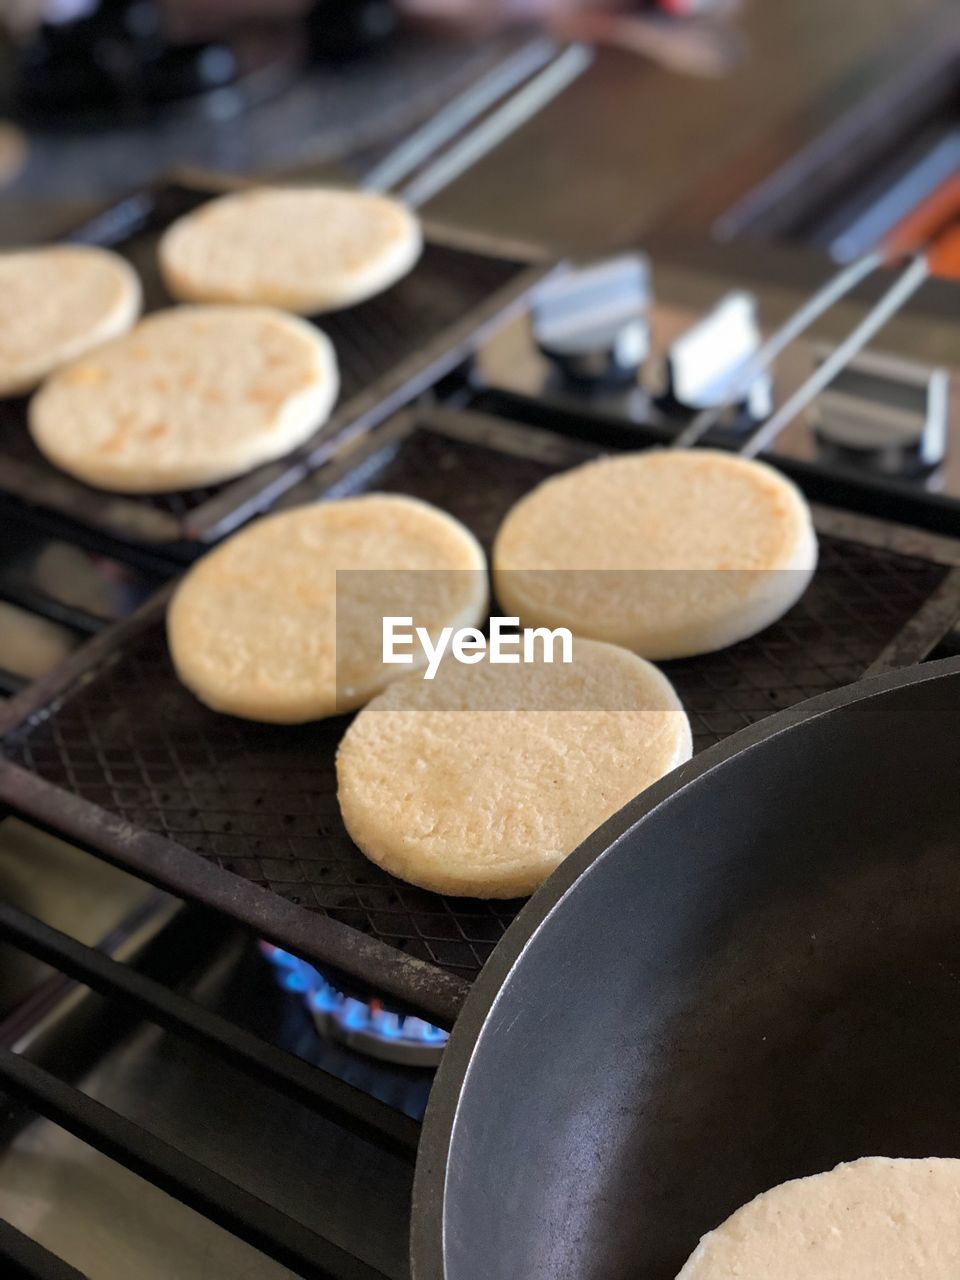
(76,1202)
(189,1099)
(59,589)
(61,585)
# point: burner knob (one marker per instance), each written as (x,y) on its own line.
(592,322)
(707,362)
(886,414)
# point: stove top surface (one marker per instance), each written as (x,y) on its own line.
(916,345)
(281,116)
(94,1212)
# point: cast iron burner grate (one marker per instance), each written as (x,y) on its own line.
(260,801)
(29,1089)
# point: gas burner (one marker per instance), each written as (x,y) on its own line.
(362,1025)
(592,323)
(886,414)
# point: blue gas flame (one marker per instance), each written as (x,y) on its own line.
(303,979)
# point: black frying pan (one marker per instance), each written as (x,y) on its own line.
(749,974)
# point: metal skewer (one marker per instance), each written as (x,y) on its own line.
(531,98)
(906,284)
(837,287)
(446,146)
(424,143)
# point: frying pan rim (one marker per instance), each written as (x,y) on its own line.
(429,1202)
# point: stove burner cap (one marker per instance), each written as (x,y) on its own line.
(885,414)
(707,363)
(362,1025)
(592,323)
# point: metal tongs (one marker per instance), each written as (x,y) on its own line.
(838,286)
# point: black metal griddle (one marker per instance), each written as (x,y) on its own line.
(747,975)
(390,349)
(113,752)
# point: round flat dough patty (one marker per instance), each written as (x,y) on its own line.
(668,553)
(873,1219)
(306,249)
(481,781)
(284,621)
(191,396)
(55,304)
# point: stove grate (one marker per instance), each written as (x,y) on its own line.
(30,1260)
(193,1183)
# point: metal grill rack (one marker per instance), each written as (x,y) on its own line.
(244,817)
(390,349)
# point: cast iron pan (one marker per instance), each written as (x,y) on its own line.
(749,974)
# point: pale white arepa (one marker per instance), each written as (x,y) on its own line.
(481,781)
(668,553)
(284,621)
(308,249)
(191,396)
(872,1219)
(55,304)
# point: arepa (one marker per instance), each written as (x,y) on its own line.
(191,396)
(284,621)
(481,781)
(57,303)
(307,249)
(668,553)
(871,1219)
